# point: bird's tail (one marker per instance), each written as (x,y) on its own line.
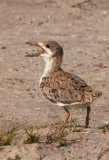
(97,94)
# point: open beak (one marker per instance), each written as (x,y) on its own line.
(39,52)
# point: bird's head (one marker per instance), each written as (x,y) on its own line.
(48,49)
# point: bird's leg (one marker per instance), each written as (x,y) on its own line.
(67,116)
(87,116)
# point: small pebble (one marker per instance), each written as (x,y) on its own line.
(3,47)
(79,64)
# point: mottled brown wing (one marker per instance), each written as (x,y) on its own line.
(66,89)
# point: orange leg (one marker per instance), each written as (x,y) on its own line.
(67,117)
(87,116)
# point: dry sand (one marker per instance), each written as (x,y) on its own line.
(83,31)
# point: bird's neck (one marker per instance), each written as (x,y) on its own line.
(51,65)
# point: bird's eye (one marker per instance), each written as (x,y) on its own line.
(47,45)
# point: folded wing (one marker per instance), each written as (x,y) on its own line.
(67,88)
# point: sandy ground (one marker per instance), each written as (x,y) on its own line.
(83,31)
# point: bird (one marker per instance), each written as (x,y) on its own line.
(60,87)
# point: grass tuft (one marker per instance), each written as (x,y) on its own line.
(32,136)
(6,133)
(105,129)
(56,136)
(102,152)
(17,157)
